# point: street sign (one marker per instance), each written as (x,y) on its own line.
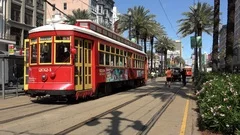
(193,42)
(199,41)
(196,42)
(10,49)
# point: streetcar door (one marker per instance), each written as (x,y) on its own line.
(83,64)
(78,64)
(26,64)
(87,59)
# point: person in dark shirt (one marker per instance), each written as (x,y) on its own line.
(183,77)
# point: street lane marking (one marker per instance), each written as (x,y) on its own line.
(184,121)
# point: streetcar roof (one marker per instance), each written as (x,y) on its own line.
(58,26)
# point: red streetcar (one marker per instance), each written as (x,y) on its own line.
(80,60)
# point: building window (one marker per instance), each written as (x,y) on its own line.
(28,16)
(40,4)
(39,20)
(64,6)
(29,2)
(100,19)
(53,7)
(15,12)
(100,9)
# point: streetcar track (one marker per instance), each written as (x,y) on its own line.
(7,108)
(31,114)
(148,126)
(74,127)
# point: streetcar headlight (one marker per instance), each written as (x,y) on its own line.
(52,75)
(44,77)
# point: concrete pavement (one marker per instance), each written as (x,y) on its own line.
(181,116)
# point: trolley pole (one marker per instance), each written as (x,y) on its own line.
(3,83)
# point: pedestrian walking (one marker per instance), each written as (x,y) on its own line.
(183,72)
(168,77)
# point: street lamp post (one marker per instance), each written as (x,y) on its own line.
(130,21)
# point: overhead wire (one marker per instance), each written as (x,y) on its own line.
(168,18)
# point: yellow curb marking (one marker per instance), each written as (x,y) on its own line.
(184,121)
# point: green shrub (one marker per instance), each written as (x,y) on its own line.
(219,104)
(202,77)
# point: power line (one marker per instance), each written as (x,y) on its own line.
(167,17)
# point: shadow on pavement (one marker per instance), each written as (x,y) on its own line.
(116,120)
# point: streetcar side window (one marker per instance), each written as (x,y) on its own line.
(62,52)
(45,53)
(101,58)
(33,53)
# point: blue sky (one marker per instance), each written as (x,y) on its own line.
(174,9)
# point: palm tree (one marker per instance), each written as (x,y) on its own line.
(215,36)
(179,60)
(230,36)
(139,18)
(155,30)
(198,20)
(77,14)
(162,45)
(151,29)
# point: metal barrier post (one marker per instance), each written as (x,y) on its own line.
(3,83)
(15,72)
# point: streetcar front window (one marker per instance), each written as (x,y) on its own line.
(33,49)
(62,52)
(45,52)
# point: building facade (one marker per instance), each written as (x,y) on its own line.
(101,10)
(115,18)
(17,18)
(236,46)
(156,62)
(222,46)
(5,39)
(23,15)
(177,52)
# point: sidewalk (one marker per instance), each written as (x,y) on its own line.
(181,116)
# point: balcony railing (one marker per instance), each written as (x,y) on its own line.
(8,37)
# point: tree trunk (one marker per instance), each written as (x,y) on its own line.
(165,60)
(137,35)
(145,44)
(162,63)
(200,59)
(195,59)
(215,36)
(200,51)
(230,36)
(151,42)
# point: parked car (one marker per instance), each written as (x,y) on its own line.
(176,74)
